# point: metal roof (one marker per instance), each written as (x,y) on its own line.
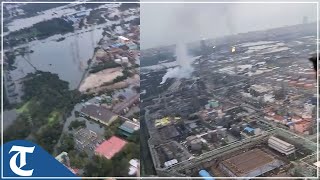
(248,129)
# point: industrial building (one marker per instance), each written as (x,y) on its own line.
(99,113)
(226,124)
(250,164)
(194,143)
(258,90)
(129,127)
(169,132)
(281,145)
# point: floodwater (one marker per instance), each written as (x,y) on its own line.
(57,12)
(67,58)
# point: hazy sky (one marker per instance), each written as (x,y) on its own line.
(164,24)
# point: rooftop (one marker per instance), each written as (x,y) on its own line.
(260,88)
(98,112)
(129,126)
(249,161)
(62,157)
(110,147)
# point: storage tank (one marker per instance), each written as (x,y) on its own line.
(213,135)
(168,153)
(222,132)
(235,130)
(196,145)
(189,139)
(206,176)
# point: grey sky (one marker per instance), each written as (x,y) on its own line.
(163,24)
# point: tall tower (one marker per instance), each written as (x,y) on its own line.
(233,50)
(204,53)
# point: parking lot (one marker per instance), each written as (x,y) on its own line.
(87,140)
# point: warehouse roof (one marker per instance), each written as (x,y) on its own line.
(98,112)
(129,127)
(245,163)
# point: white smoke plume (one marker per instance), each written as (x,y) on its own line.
(184,68)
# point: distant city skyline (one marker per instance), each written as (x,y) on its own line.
(165,24)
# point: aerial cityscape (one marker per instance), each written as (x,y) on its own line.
(242,105)
(71,83)
(204,91)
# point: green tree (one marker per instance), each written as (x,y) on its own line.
(99,166)
(76,124)
(66,143)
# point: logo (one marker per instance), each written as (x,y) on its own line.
(22,152)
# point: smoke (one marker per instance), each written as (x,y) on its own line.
(193,21)
(184,68)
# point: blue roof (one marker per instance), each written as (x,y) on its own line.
(248,129)
(127,129)
(205,175)
(125,133)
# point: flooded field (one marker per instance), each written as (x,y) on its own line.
(67,58)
